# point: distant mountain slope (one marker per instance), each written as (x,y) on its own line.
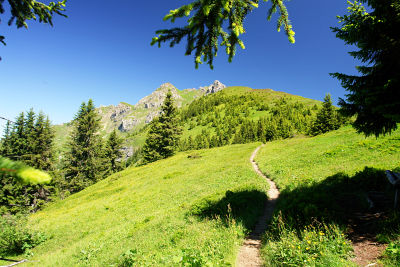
(126,117)
(129,118)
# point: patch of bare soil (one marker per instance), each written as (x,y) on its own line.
(363,228)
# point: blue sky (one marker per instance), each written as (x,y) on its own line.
(103,52)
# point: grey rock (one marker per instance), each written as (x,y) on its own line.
(213,88)
(127,152)
(127,125)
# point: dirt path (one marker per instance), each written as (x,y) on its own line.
(249,253)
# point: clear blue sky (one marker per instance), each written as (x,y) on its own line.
(102,51)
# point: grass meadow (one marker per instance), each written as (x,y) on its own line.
(324,180)
(192,209)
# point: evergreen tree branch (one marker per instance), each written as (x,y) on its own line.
(216,23)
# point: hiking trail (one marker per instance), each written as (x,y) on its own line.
(249,253)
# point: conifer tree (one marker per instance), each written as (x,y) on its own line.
(374,96)
(327,119)
(6,140)
(113,154)
(43,149)
(27,143)
(83,160)
(205,30)
(164,133)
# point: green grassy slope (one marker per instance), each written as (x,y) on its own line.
(325,179)
(146,210)
(299,161)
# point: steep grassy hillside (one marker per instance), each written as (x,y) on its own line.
(328,179)
(241,115)
(301,161)
(193,208)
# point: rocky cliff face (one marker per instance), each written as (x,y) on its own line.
(213,88)
(155,99)
(126,117)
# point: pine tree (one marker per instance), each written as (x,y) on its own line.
(83,160)
(43,144)
(327,119)
(29,135)
(374,96)
(113,154)
(164,133)
(6,141)
(18,138)
(26,143)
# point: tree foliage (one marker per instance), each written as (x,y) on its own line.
(84,159)
(113,153)
(327,118)
(23,10)
(237,119)
(374,96)
(214,23)
(164,133)
(27,148)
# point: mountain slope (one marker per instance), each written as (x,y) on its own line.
(147,210)
(128,118)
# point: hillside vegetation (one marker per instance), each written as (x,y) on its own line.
(192,208)
(324,183)
(239,115)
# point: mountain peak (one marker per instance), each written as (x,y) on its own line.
(213,88)
(166,87)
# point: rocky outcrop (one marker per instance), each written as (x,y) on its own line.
(213,88)
(126,117)
(155,99)
(128,124)
(119,111)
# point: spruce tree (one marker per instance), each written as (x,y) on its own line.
(216,23)
(164,133)
(29,141)
(83,160)
(327,119)
(43,149)
(113,154)
(374,95)
(5,149)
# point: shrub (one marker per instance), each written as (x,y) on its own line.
(15,237)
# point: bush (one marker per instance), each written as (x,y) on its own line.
(15,238)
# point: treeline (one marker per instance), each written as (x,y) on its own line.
(243,119)
(87,159)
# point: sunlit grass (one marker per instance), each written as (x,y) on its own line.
(142,214)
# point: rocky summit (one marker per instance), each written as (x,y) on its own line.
(126,117)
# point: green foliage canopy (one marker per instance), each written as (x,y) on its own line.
(83,161)
(374,96)
(23,10)
(327,118)
(206,29)
(164,133)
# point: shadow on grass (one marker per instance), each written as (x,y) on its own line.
(244,206)
(345,201)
